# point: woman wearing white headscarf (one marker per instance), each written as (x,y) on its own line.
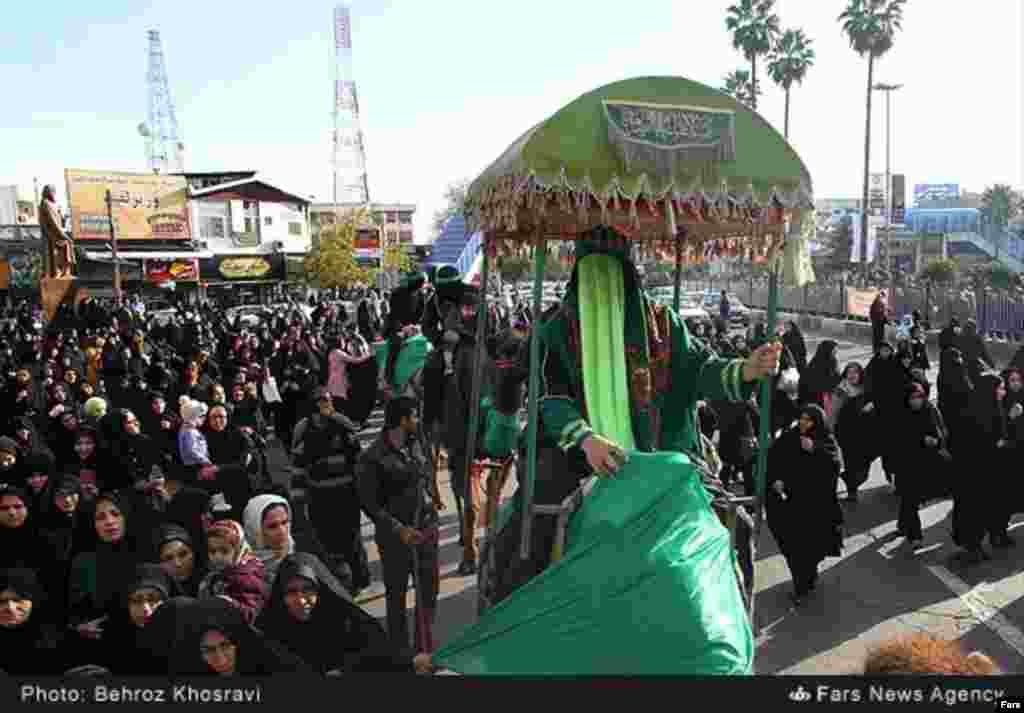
(268,528)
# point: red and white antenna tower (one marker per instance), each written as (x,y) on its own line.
(349,155)
(165,151)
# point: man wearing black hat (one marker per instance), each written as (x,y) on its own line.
(442,323)
(460,339)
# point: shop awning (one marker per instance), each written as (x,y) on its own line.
(150,254)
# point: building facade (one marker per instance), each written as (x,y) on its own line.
(394,219)
(384,224)
(251,227)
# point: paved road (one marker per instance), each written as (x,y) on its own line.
(877,589)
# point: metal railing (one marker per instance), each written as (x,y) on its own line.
(21,232)
(994,313)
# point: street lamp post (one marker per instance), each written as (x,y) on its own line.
(888,89)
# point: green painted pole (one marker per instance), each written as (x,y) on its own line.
(474,399)
(678,275)
(539,258)
(765,439)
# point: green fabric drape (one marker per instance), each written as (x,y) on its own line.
(602,318)
(647,586)
(411,359)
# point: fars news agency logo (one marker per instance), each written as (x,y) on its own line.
(800,695)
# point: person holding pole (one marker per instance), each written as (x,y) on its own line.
(400,497)
(620,374)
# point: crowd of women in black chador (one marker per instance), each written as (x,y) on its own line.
(830,422)
(140,531)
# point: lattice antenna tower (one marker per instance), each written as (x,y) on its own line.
(165,152)
(348,158)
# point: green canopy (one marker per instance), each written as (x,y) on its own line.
(651,137)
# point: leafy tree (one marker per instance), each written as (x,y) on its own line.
(455,203)
(940,271)
(754,29)
(396,259)
(870,26)
(332,263)
(788,63)
(740,88)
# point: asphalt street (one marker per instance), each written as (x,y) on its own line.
(877,589)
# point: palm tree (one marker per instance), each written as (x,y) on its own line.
(870,26)
(739,86)
(999,204)
(754,29)
(788,63)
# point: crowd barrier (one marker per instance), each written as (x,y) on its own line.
(859,332)
(993,313)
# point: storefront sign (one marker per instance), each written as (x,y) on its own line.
(243,268)
(177,270)
(146,206)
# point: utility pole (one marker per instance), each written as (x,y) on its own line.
(113,248)
(888,89)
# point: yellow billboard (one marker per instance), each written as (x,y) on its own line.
(145,206)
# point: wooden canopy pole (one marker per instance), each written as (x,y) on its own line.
(539,258)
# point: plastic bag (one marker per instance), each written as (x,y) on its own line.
(270,393)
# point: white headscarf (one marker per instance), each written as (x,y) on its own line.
(252,521)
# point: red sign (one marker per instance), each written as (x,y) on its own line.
(177,270)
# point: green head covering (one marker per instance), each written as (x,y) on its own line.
(414,280)
(604,241)
(446,275)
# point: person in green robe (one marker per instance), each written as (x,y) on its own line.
(619,374)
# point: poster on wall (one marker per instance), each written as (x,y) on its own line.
(177,270)
(146,206)
(21,269)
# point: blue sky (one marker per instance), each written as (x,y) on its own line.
(445,86)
